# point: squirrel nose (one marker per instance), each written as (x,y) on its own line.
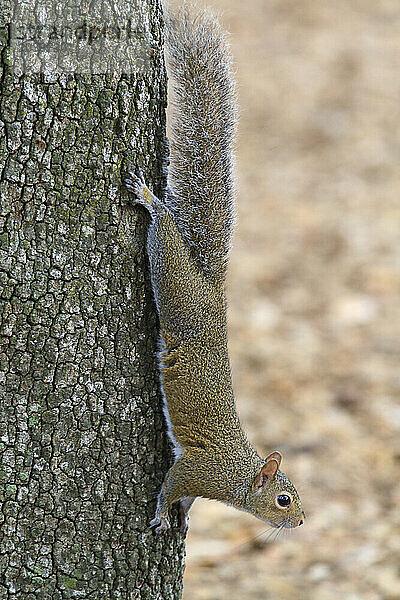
(301,521)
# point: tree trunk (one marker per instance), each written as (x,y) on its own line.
(82,437)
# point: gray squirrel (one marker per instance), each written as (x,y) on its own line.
(188,242)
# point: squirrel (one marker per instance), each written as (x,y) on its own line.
(188,243)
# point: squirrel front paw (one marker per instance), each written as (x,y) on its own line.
(160,524)
(184,519)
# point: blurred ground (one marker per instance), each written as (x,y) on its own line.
(314,301)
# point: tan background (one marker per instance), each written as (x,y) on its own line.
(314,301)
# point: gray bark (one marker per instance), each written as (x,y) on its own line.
(82,438)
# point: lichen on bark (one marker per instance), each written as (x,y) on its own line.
(82,441)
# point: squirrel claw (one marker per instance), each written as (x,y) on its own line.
(134,183)
(160,524)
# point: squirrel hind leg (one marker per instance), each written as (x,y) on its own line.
(136,184)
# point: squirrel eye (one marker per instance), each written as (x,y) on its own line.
(283,500)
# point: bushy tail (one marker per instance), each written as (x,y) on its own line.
(202,129)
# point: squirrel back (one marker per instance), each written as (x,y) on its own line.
(202,129)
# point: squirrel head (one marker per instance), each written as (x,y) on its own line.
(274,498)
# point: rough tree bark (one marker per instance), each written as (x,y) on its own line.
(82,443)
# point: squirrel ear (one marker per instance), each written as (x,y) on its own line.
(274,456)
(268,471)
